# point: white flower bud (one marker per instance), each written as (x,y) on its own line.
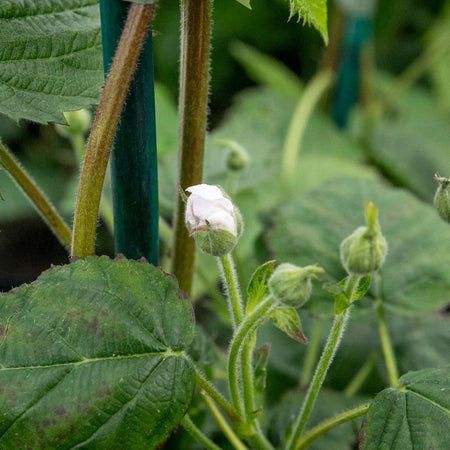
(212,219)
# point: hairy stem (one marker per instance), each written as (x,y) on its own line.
(225,427)
(197,434)
(312,352)
(216,395)
(106,209)
(322,428)
(329,351)
(386,345)
(250,323)
(226,265)
(312,94)
(36,197)
(105,125)
(193,107)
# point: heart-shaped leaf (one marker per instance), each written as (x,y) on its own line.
(416,415)
(92,356)
(53,63)
(415,276)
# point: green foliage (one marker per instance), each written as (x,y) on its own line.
(329,403)
(258,289)
(92,355)
(287,320)
(310,229)
(266,70)
(312,12)
(54,62)
(416,414)
(246,3)
(342,298)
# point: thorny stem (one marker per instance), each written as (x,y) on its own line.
(197,434)
(225,427)
(105,125)
(326,426)
(196,25)
(37,198)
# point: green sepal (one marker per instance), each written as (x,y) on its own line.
(260,360)
(258,288)
(343,298)
(287,319)
(246,3)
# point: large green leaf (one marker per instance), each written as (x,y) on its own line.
(415,277)
(92,357)
(416,415)
(50,58)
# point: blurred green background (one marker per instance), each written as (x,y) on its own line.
(402,31)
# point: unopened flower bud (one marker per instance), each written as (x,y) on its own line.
(291,285)
(237,157)
(212,219)
(364,251)
(78,122)
(442,197)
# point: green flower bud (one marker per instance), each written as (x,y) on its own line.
(364,251)
(78,122)
(212,219)
(237,157)
(442,197)
(291,285)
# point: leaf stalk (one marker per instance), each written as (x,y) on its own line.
(196,24)
(103,131)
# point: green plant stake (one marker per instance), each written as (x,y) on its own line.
(133,158)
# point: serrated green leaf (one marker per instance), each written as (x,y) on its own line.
(311,228)
(312,12)
(92,356)
(258,288)
(416,415)
(287,319)
(53,63)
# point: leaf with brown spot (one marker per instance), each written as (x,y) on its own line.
(90,379)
